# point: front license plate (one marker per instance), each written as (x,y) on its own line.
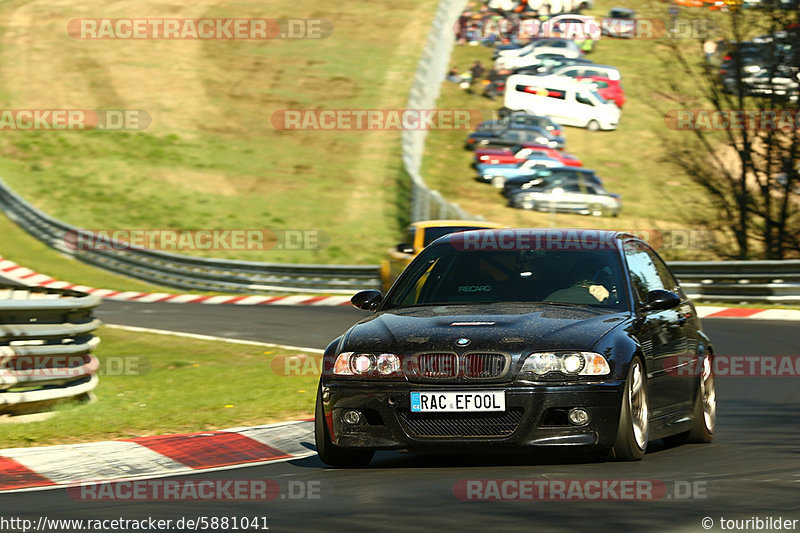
(448,402)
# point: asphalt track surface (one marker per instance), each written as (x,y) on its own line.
(752,469)
(309,327)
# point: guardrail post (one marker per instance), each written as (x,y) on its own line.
(46,343)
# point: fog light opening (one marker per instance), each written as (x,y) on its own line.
(352,417)
(578,416)
(326,394)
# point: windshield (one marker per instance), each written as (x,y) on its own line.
(591,94)
(620,14)
(446,273)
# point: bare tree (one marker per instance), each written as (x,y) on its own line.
(742,150)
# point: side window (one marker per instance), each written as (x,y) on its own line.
(572,187)
(645,276)
(670,283)
(581,99)
(410,237)
(572,72)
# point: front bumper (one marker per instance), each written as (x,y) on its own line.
(535,416)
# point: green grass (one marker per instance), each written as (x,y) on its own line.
(184,385)
(633,160)
(211,157)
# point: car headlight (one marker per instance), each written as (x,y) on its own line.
(366,364)
(362,363)
(388,364)
(570,363)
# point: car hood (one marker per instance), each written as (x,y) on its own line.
(492,327)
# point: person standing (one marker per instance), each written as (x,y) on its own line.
(709,49)
(477,72)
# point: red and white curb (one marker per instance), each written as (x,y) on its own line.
(51,467)
(707,311)
(26,276)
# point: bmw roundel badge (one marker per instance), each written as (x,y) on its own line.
(463,342)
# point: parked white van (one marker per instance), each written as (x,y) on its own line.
(566,101)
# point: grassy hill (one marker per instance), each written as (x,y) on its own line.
(211,157)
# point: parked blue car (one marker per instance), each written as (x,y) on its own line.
(498,174)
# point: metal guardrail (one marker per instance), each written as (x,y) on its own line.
(740,281)
(426,203)
(46,342)
(190,273)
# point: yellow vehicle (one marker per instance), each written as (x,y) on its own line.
(419,235)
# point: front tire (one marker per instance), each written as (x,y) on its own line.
(634,427)
(593,125)
(328,452)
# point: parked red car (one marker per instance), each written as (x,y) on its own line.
(609,89)
(520,152)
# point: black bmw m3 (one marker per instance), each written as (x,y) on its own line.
(520,338)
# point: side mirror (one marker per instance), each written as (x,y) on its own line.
(405,248)
(659,299)
(368,300)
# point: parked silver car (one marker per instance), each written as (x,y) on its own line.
(575,197)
